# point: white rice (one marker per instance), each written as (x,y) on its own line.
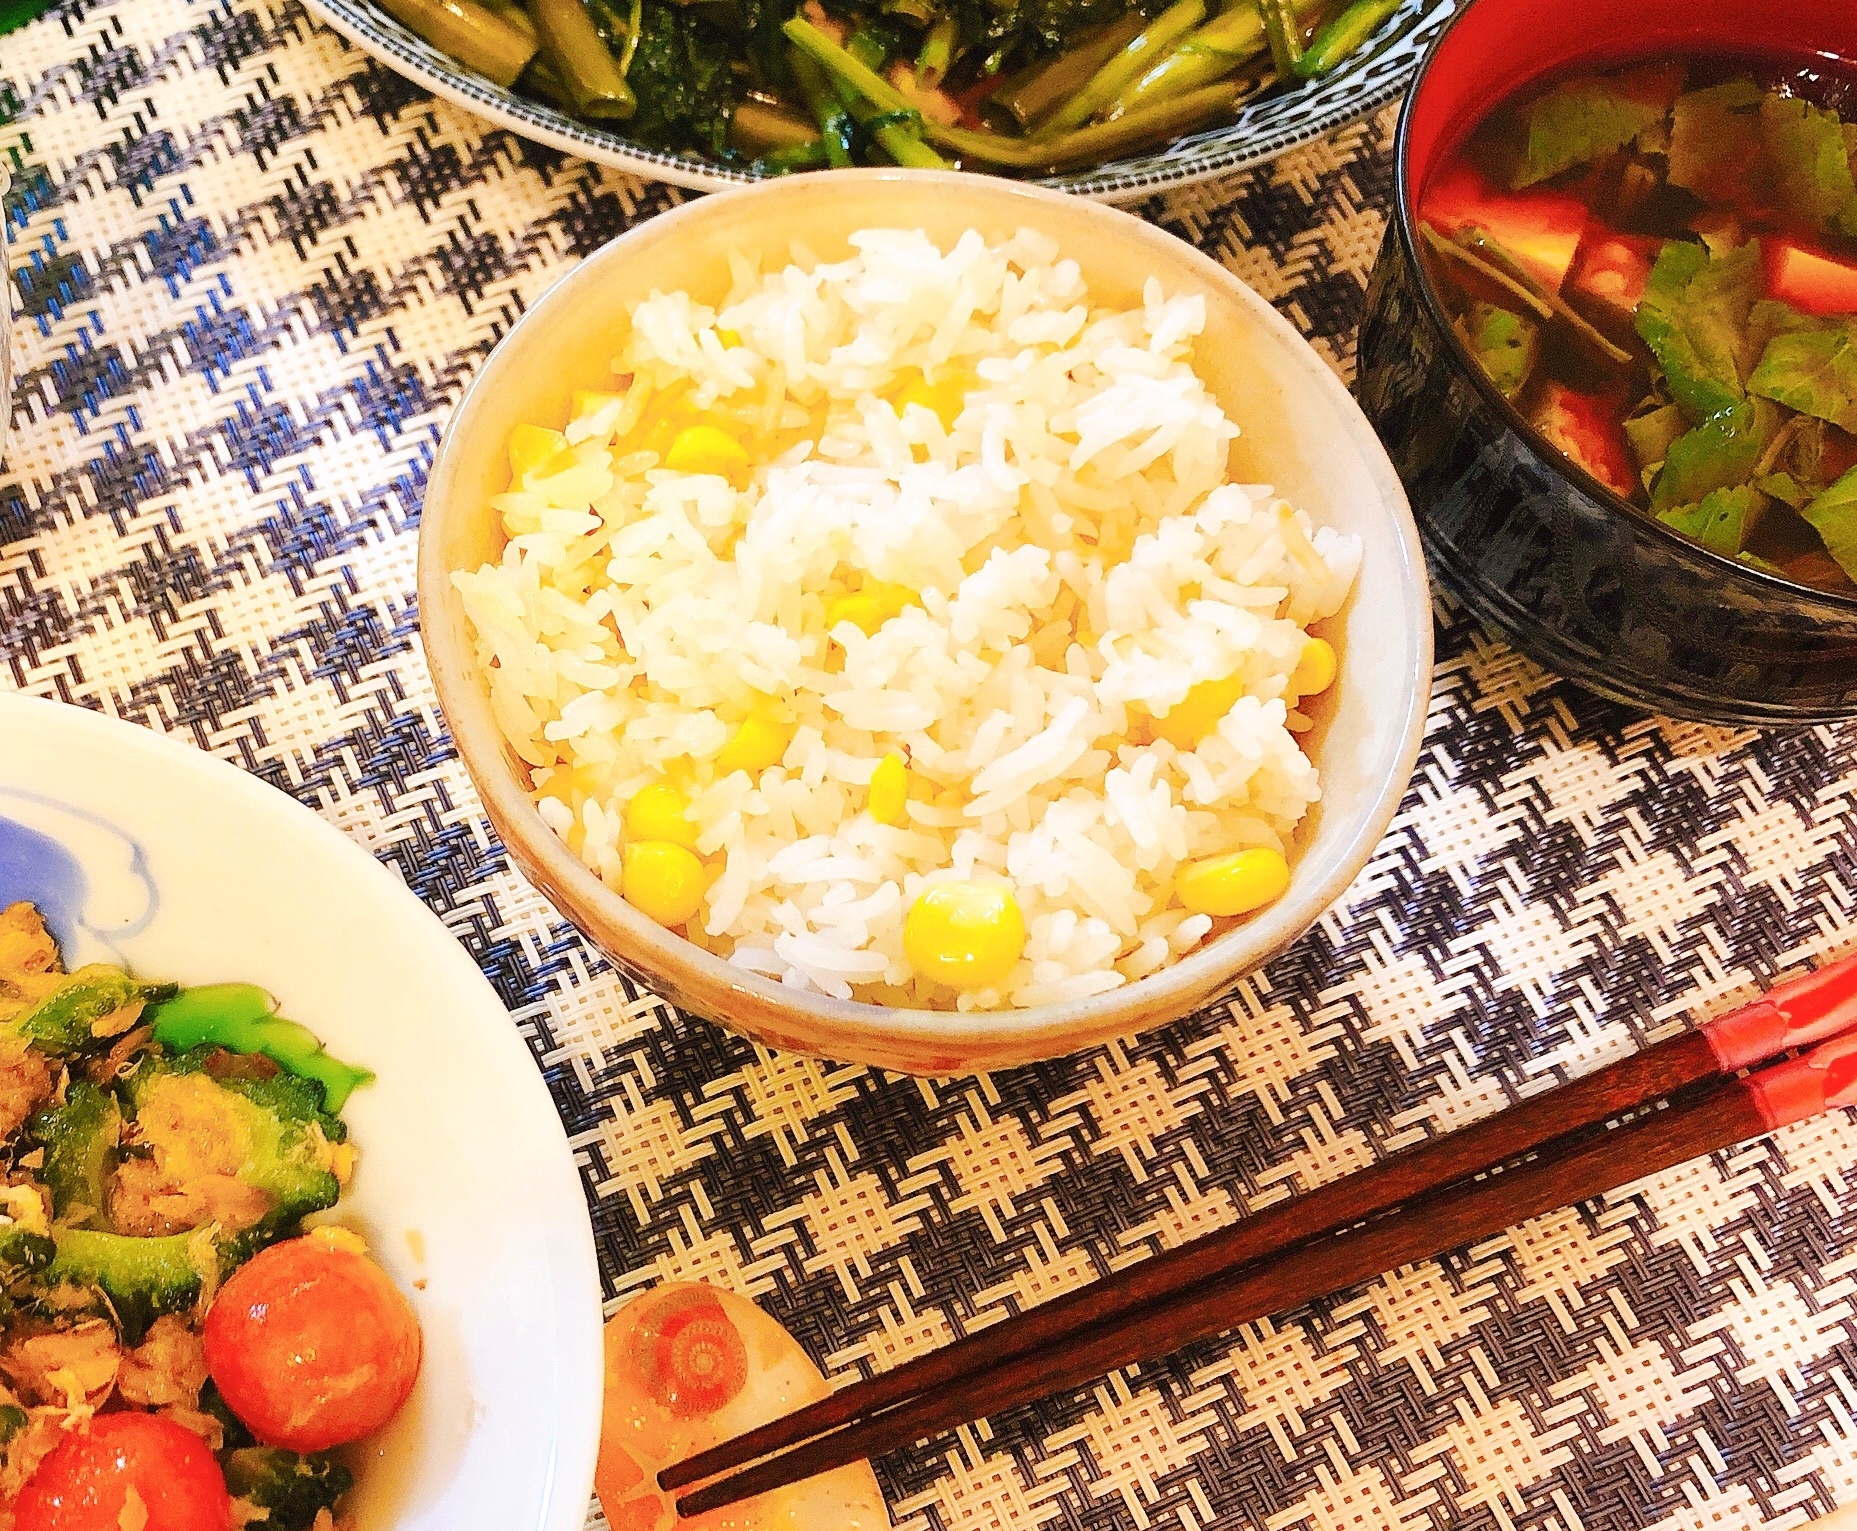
(1079,562)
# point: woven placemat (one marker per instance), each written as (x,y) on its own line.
(253,271)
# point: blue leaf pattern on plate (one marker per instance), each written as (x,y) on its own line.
(90,880)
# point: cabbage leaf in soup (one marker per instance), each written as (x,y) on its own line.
(1834,516)
(1810,150)
(1813,371)
(1721,452)
(1715,140)
(1579,120)
(1722,520)
(1693,315)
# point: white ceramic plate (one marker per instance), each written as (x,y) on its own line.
(145,851)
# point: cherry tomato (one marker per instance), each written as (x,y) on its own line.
(312,1346)
(86,1484)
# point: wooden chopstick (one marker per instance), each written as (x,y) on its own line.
(1140,1312)
(1456,1215)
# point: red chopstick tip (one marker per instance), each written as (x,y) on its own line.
(1746,1036)
(1795,1014)
(1822,1080)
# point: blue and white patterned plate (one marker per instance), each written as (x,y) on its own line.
(1263,129)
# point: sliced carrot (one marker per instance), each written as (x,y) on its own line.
(1810,279)
(1541,229)
(1611,270)
(705,1362)
(1585,427)
(688,1352)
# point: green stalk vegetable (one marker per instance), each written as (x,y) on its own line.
(1150,124)
(570,42)
(1099,141)
(493,44)
(763,128)
(1031,95)
(835,125)
(540,79)
(634,24)
(1217,49)
(1343,35)
(792,158)
(899,134)
(1284,34)
(937,51)
(1153,42)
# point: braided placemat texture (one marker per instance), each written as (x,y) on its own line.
(253,271)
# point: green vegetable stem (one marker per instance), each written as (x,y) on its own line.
(492,42)
(540,79)
(1030,96)
(239,1017)
(1153,42)
(937,51)
(1343,36)
(793,158)
(898,134)
(763,128)
(571,43)
(1099,141)
(896,131)
(834,119)
(1284,34)
(1221,47)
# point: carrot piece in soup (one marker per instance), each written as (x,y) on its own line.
(1609,275)
(1810,279)
(1585,427)
(1541,229)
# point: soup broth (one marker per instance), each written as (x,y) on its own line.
(1656,264)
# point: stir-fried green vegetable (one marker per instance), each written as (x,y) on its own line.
(1016,85)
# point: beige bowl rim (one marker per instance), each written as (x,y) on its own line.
(934,1042)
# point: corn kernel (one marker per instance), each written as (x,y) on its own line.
(889,789)
(1315,669)
(337,1239)
(660,812)
(945,400)
(1233,884)
(531,447)
(759,743)
(1198,712)
(967,935)
(704,449)
(870,606)
(663,881)
(585,401)
(731,339)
